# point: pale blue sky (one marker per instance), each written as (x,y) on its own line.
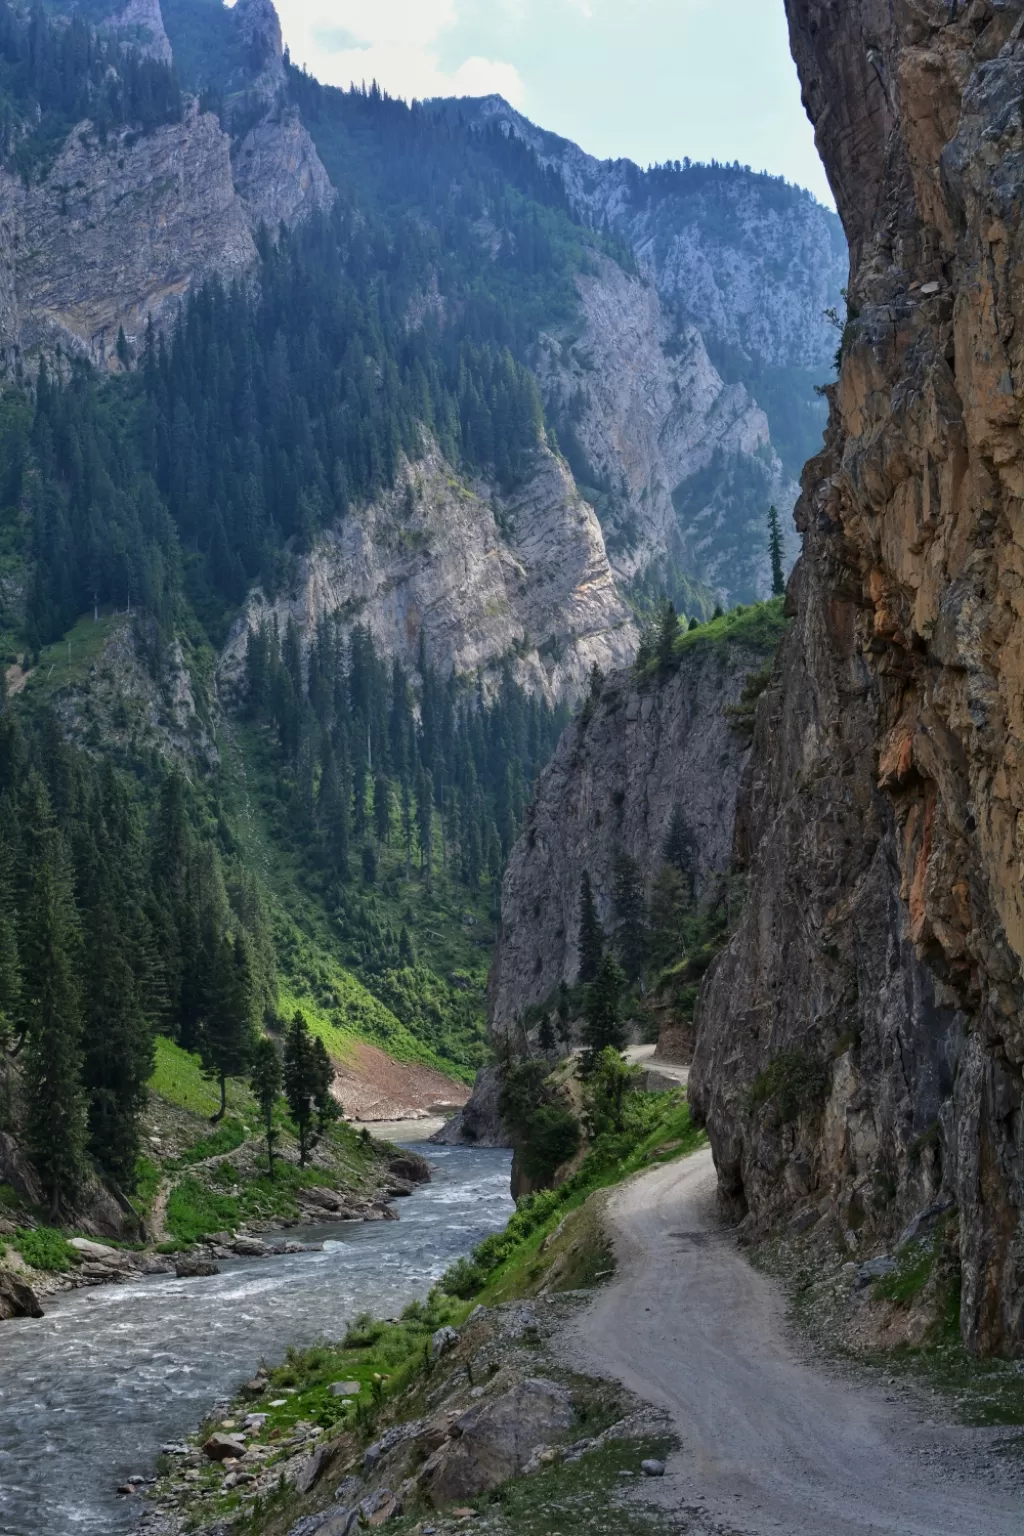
(651,79)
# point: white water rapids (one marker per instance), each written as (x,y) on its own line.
(90,1393)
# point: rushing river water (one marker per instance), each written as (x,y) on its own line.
(89,1394)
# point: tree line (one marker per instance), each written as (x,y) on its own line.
(119,919)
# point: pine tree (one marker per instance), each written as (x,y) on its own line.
(591,944)
(546,1036)
(563,1015)
(669,906)
(228,1034)
(668,629)
(10,982)
(679,847)
(602,1013)
(266,1080)
(300,1081)
(631,915)
(50,942)
(382,809)
(323,1080)
(775,551)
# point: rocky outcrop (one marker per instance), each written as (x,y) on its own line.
(646,750)
(278,173)
(119,232)
(120,703)
(16,1298)
(482,577)
(860,1050)
(640,397)
(140,25)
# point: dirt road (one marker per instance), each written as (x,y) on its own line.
(770,1443)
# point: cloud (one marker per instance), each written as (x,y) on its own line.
(395,42)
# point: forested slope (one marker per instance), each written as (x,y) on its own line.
(247,322)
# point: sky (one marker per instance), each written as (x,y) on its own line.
(652,80)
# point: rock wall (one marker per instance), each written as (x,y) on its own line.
(483,578)
(612,786)
(121,230)
(650,412)
(880,959)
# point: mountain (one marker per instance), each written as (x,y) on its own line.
(860,1054)
(339,448)
(747,271)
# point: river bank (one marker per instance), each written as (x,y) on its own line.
(90,1393)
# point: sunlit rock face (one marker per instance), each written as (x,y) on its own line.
(883,820)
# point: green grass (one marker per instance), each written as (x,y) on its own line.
(227,1196)
(44,1248)
(583,1497)
(66,663)
(147,1181)
(228,1137)
(178,1078)
(505,1265)
(907,1282)
(761,625)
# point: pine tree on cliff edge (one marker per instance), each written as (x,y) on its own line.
(776,553)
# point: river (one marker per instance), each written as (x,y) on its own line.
(90,1393)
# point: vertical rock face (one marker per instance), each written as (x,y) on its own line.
(650,412)
(884,813)
(117,232)
(140,24)
(481,577)
(621,769)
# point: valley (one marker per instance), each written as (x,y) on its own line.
(510,796)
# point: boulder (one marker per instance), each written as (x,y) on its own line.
(320,1198)
(494,1441)
(248,1248)
(97,1253)
(410,1169)
(16,1298)
(344,1389)
(380,1507)
(652,1468)
(308,1475)
(444,1339)
(221,1447)
(188,1266)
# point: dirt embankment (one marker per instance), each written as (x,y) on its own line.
(370,1085)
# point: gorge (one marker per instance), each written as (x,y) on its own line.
(413,676)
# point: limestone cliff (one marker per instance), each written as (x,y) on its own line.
(643,412)
(482,577)
(118,232)
(124,225)
(647,749)
(880,962)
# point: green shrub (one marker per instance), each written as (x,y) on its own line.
(794,1083)
(44,1248)
(228,1136)
(194,1211)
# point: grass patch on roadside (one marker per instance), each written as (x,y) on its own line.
(510,1264)
(583,1497)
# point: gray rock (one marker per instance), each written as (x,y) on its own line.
(494,1440)
(875,1269)
(312,1469)
(652,1468)
(444,1340)
(16,1298)
(191,1267)
(224,1447)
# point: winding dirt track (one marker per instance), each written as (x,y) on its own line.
(770,1443)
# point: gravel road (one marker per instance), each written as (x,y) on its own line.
(771,1443)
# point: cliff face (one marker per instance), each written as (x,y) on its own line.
(880,957)
(642,400)
(647,749)
(124,226)
(482,577)
(118,232)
